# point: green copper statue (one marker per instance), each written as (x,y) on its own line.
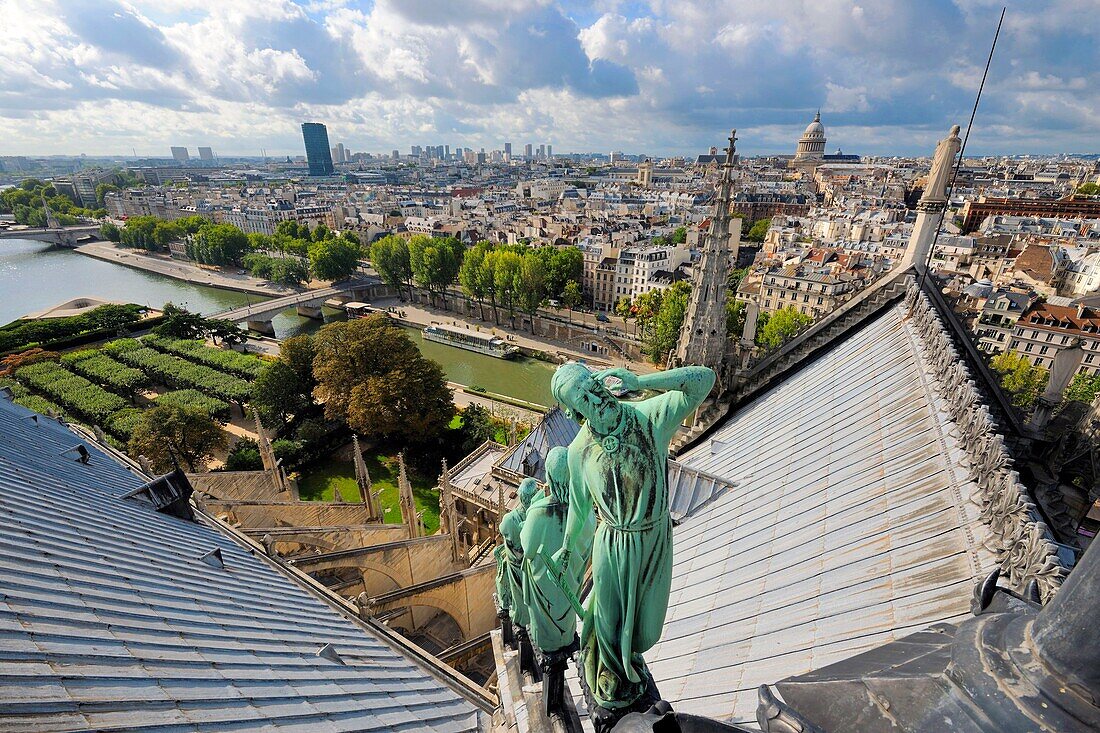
(618,467)
(553,620)
(512,553)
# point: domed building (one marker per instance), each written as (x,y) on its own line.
(811,146)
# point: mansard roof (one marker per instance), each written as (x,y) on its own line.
(115,616)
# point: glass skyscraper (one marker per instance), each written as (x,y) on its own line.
(317,151)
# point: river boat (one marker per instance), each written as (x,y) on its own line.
(482,343)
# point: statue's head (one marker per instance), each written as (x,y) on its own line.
(557,472)
(575,386)
(527,490)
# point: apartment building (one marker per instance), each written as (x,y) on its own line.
(1047,329)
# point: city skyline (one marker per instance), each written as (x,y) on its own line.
(108,79)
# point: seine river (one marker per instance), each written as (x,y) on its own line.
(33,277)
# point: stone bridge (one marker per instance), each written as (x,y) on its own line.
(64,236)
(295,542)
(464,596)
(258,316)
(386,567)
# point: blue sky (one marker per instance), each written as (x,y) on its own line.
(660,77)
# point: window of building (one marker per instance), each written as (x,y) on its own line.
(1044,350)
(1027,347)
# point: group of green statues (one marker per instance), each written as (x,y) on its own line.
(606,509)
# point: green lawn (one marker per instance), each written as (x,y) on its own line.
(318,483)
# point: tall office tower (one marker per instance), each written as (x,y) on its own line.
(206,154)
(542,152)
(414,151)
(446,152)
(527,150)
(508,149)
(180,154)
(339,153)
(396,155)
(318,155)
(549,151)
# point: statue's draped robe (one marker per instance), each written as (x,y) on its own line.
(632,547)
(510,528)
(553,621)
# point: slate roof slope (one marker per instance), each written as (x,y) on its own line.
(844,523)
(554,429)
(110,621)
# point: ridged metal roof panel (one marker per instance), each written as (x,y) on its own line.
(109,619)
(843,524)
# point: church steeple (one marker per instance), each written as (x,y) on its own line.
(703,338)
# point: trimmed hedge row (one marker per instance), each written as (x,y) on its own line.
(71,390)
(109,317)
(179,373)
(105,370)
(194,399)
(123,423)
(226,360)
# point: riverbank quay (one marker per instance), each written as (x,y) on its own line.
(186,271)
(421,315)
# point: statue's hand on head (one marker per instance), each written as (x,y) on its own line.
(629,378)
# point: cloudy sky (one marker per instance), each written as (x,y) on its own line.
(656,76)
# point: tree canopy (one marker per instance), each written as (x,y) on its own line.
(758,231)
(781,326)
(334,259)
(168,435)
(389,256)
(370,374)
(1019,377)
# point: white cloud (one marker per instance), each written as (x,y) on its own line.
(101,76)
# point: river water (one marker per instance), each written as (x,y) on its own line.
(33,276)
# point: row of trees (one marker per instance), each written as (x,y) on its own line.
(27,203)
(299,250)
(514,277)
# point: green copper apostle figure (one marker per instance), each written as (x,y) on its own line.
(553,622)
(510,528)
(618,467)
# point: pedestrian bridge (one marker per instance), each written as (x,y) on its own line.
(64,236)
(258,316)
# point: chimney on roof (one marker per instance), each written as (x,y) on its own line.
(1081,310)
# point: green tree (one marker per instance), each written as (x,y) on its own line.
(660,336)
(298,352)
(333,259)
(170,435)
(165,232)
(1019,377)
(735,278)
(389,256)
(288,271)
(244,456)
(109,231)
(1088,189)
(101,191)
(277,394)
(679,235)
(370,374)
(138,232)
(781,326)
(572,296)
(487,275)
(735,318)
(469,274)
(180,323)
(1083,388)
(218,244)
(227,331)
(532,284)
(507,278)
(435,263)
(758,231)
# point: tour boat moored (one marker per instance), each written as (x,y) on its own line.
(482,343)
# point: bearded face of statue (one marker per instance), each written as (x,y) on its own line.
(588,397)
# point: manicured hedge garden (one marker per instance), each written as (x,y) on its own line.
(71,391)
(178,373)
(105,370)
(248,366)
(195,399)
(21,334)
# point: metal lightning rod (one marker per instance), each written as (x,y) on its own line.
(962,149)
